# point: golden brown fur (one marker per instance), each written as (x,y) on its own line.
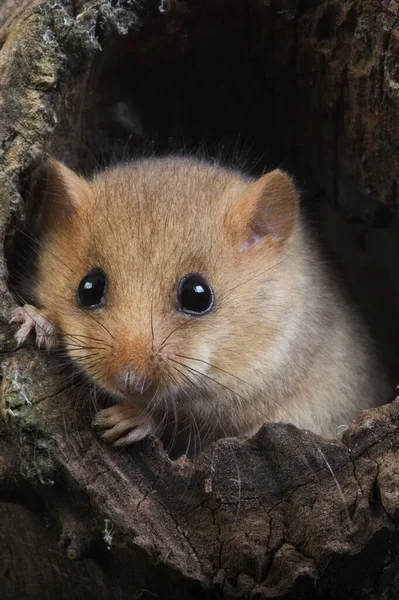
(281,342)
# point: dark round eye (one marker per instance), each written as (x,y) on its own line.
(195,295)
(92,288)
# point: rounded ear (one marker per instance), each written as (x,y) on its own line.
(64,192)
(268,207)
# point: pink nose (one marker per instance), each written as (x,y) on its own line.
(129,383)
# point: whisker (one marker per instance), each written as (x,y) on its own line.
(198,373)
(270,267)
(340,492)
(74,347)
(193,384)
(64,333)
(260,391)
(38,243)
(89,314)
(89,337)
(220,369)
(192,420)
(152,323)
(172,332)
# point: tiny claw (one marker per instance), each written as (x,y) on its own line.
(31,318)
(124,424)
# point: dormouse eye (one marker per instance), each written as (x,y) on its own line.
(195,295)
(92,289)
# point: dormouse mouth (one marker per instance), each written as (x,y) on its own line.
(129,384)
(137,389)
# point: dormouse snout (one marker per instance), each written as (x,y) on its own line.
(138,365)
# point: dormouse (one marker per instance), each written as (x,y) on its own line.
(196,297)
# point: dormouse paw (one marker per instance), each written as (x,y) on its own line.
(124,424)
(30,319)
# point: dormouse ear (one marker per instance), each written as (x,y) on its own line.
(267,208)
(64,191)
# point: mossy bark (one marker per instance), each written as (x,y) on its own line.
(284,514)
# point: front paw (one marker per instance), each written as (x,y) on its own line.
(30,319)
(124,424)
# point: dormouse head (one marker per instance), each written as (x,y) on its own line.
(166,276)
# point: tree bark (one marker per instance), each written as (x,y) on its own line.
(284,514)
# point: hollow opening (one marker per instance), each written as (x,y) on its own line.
(252,84)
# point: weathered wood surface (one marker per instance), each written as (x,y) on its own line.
(282,515)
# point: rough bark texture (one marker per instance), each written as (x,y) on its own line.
(284,514)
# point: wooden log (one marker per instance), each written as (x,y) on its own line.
(284,514)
